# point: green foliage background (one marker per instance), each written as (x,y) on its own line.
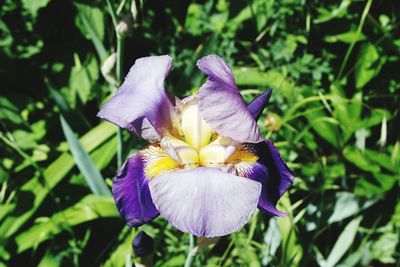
(334,114)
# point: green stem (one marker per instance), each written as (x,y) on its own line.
(190,256)
(359,29)
(112,13)
(119,71)
(120,58)
(119,75)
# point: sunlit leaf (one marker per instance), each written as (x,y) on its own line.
(368,65)
(89,170)
(90,208)
(343,243)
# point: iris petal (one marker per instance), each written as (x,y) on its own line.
(258,104)
(205,201)
(221,104)
(274,175)
(131,193)
(142,105)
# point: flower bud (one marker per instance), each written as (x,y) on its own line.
(274,122)
(107,69)
(124,25)
(143,245)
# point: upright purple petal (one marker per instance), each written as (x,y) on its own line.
(142,105)
(221,104)
(274,175)
(205,201)
(131,193)
(258,104)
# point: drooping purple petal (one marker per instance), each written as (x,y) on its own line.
(205,201)
(274,175)
(142,105)
(221,104)
(258,104)
(131,193)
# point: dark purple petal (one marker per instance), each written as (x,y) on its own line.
(142,105)
(221,104)
(143,245)
(258,104)
(131,193)
(274,175)
(205,201)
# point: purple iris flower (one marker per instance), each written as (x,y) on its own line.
(207,168)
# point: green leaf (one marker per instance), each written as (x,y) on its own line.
(33,6)
(89,170)
(32,193)
(343,243)
(90,21)
(95,19)
(327,15)
(255,77)
(356,157)
(384,249)
(89,208)
(82,78)
(346,37)
(325,127)
(376,117)
(348,113)
(368,65)
(124,248)
(375,185)
(9,111)
(346,205)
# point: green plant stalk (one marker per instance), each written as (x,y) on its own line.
(112,13)
(190,255)
(359,29)
(120,71)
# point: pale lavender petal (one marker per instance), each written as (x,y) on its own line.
(258,104)
(221,104)
(142,105)
(131,193)
(274,175)
(205,201)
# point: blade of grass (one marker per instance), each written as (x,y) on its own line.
(359,29)
(36,189)
(89,170)
(343,243)
(89,208)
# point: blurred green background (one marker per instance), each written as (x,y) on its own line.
(334,115)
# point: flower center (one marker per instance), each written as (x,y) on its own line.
(200,146)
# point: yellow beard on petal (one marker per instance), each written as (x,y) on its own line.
(157,161)
(243,156)
(162,165)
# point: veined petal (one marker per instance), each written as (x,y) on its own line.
(274,175)
(258,104)
(205,201)
(142,105)
(131,193)
(221,104)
